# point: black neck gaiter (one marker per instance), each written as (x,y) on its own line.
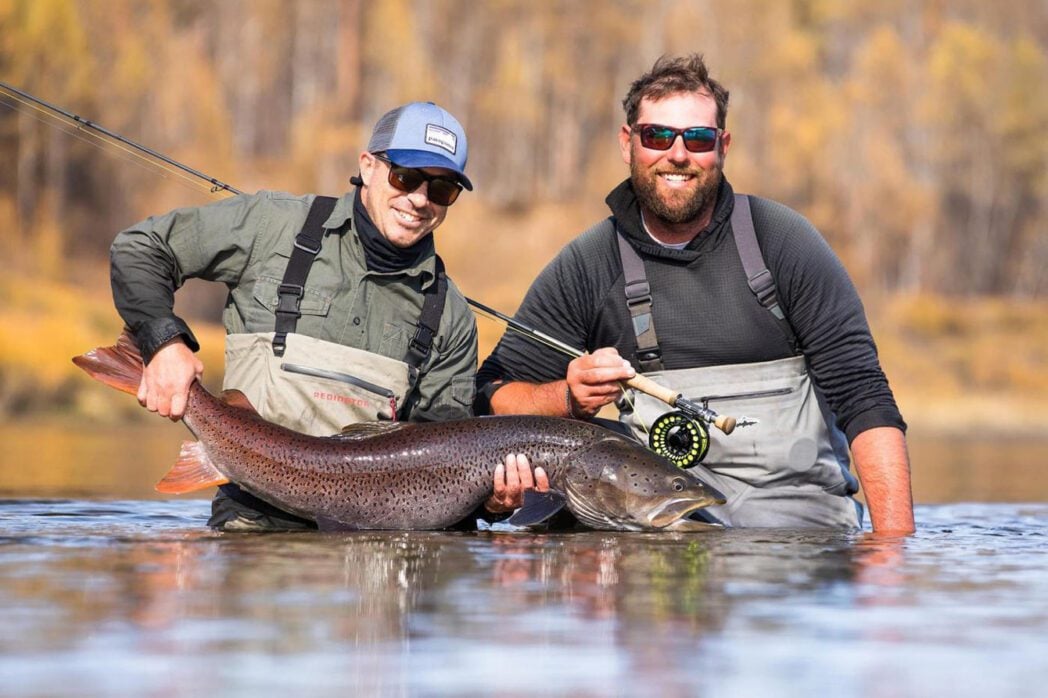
(382,255)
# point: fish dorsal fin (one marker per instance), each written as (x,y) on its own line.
(365,430)
(235,398)
(538,507)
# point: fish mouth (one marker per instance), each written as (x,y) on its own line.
(674,510)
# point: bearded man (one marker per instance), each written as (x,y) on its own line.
(733,301)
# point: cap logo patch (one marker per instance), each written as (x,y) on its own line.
(441,137)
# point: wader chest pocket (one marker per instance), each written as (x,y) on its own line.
(340,377)
(777,392)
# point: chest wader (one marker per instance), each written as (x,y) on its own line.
(313,386)
(790,469)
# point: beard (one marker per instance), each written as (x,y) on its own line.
(676,207)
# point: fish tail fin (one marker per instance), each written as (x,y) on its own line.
(193,471)
(118,366)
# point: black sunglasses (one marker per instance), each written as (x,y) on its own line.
(697,139)
(442,190)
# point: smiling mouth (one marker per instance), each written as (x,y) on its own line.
(407,217)
(676,179)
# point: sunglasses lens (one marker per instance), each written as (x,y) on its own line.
(657,137)
(700,140)
(441,191)
(404,179)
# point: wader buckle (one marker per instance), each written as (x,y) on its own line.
(300,241)
(422,340)
(289,298)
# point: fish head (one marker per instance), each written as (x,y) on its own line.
(619,485)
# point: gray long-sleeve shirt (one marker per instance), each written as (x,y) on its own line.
(704,312)
(245,242)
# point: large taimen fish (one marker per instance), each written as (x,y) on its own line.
(381,475)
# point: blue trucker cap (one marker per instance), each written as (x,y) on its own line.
(421,134)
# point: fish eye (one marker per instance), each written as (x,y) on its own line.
(678,484)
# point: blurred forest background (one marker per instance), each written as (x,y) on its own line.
(913,133)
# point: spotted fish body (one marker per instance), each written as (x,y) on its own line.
(413,475)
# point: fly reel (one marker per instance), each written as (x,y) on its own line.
(680,439)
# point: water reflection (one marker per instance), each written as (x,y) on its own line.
(137,590)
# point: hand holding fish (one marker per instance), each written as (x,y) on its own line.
(593,381)
(511,480)
(166,379)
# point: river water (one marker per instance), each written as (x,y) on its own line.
(106,590)
(136,598)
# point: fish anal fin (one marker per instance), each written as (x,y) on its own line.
(235,398)
(538,507)
(193,471)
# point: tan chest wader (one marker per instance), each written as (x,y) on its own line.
(791,468)
(314,386)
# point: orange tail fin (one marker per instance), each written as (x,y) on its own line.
(119,366)
(193,471)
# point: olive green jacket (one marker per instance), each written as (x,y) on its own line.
(245,242)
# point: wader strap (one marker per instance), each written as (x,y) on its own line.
(291,289)
(429,320)
(758,277)
(638,300)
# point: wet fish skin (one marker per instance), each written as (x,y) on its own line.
(413,475)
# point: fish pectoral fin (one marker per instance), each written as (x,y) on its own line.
(364,430)
(538,507)
(193,471)
(235,398)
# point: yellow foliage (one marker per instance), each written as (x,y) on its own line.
(44,323)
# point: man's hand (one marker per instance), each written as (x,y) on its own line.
(593,381)
(166,379)
(511,479)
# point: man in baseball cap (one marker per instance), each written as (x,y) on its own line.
(339,309)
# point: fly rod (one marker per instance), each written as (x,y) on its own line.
(81,124)
(639,382)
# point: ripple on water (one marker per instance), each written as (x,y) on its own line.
(95,589)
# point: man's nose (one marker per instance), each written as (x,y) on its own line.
(678,153)
(420,196)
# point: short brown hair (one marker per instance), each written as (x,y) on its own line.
(671,76)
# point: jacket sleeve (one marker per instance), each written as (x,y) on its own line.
(446,386)
(826,313)
(152,259)
(559,303)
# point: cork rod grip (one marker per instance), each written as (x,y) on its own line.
(650,387)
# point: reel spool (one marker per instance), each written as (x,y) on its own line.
(680,439)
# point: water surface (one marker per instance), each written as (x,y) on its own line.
(136,597)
